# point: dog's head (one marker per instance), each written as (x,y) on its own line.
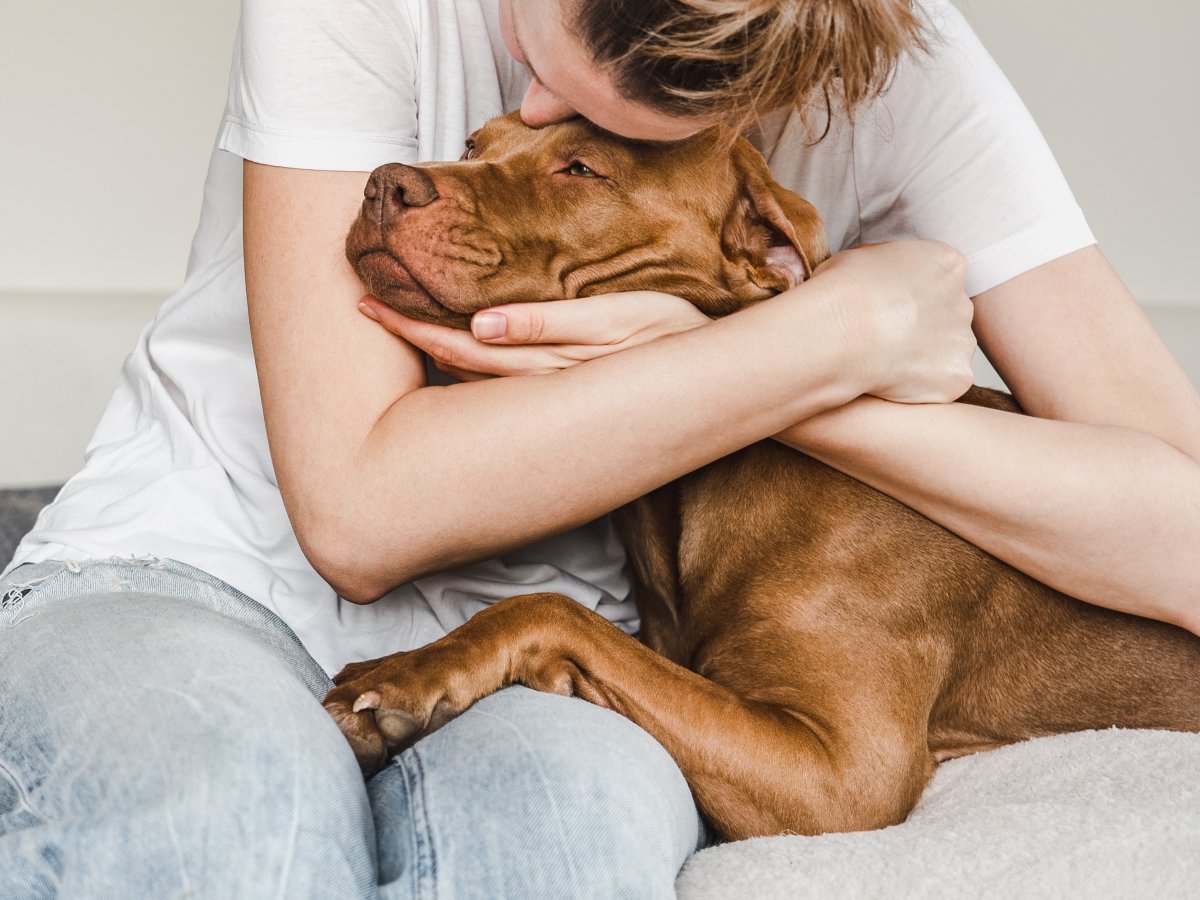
(571,211)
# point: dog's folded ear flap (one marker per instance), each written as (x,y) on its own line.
(773,236)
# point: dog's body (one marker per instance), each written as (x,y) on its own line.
(811,647)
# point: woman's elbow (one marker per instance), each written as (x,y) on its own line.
(355,567)
(329,557)
(366,545)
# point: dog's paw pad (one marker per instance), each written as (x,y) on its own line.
(396,725)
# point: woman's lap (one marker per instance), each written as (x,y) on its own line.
(160,732)
(591,806)
(158,735)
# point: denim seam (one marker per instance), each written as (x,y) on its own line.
(180,859)
(295,823)
(425,883)
(576,876)
(135,571)
(22,795)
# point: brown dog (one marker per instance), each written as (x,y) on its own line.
(812,648)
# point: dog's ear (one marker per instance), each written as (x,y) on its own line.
(773,239)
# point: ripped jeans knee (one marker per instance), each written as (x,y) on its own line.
(15,589)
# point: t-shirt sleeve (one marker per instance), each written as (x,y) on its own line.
(323,85)
(950,152)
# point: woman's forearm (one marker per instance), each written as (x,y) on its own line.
(1105,514)
(454,474)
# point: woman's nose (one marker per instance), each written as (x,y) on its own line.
(542,107)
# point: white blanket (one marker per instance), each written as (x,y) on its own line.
(1111,813)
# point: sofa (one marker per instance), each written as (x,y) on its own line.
(1099,814)
(18,509)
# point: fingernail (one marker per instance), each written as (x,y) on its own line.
(367,311)
(486,326)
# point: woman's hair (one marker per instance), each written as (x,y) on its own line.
(739,59)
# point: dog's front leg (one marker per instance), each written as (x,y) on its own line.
(827,751)
(385,705)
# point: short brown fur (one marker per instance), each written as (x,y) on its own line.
(811,648)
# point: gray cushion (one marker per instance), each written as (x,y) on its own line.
(18,510)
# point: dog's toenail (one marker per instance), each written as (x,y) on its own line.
(369,700)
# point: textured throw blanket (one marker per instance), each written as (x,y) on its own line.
(1111,813)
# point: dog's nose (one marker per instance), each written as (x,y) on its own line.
(393,188)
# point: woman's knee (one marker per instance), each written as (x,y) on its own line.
(545,796)
(189,726)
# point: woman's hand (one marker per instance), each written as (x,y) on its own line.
(904,303)
(537,338)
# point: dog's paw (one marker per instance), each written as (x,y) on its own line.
(385,706)
(361,733)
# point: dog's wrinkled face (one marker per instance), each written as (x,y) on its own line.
(572,211)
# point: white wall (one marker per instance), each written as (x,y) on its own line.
(1115,87)
(110,107)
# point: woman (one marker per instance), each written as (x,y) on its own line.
(163,731)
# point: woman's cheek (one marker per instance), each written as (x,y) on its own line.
(506,32)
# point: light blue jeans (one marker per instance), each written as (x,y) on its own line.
(161,735)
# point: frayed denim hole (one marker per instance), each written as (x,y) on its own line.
(11,603)
(12,600)
(14,596)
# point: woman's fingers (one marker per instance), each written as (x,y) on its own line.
(578,321)
(606,319)
(537,338)
(459,354)
(463,374)
(382,313)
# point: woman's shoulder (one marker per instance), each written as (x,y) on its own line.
(324,85)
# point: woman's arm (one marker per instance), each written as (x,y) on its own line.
(385,480)
(1099,496)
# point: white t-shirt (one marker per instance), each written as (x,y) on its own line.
(179,465)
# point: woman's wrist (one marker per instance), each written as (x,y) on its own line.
(905,318)
(826,311)
(802,336)
(838,430)
(837,299)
